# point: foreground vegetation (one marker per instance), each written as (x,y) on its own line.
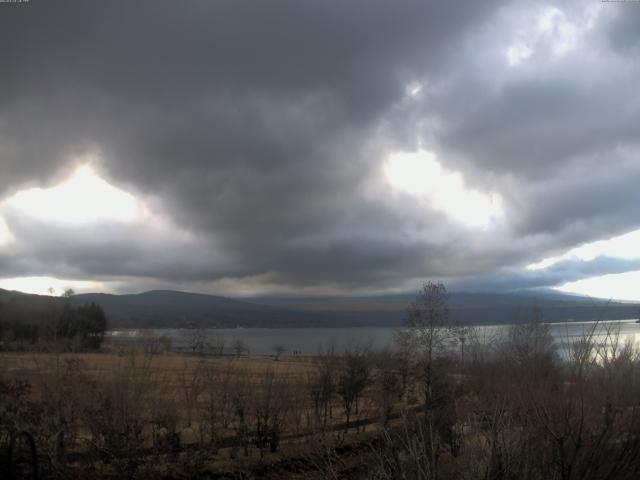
(442,404)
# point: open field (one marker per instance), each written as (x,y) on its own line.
(28,365)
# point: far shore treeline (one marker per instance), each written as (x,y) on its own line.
(26,320)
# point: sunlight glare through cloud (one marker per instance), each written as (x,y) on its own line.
(48,285)
(619,286)
(625,246)
(554,22)
(518,53)
(5,234)
(414,89)
(555,33)
(421,175)
(83,198)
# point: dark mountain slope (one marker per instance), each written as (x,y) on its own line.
(157,309)
(164,308)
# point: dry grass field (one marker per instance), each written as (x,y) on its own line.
(138,410)
(28,365)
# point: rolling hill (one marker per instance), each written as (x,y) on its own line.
(471,308)
(165,308)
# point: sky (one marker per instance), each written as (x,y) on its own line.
(336,147)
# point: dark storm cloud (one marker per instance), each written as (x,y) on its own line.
(201,77)
(262,126)
(248,120)
(532,125)
(624,32)
(104,249)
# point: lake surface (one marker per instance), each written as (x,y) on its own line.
(308,341)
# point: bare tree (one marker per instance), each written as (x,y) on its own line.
(278,350)
(269,409)
(428,332)
(530,347)
(68,293)
(216,404)
(165,341)
(190,379)
(428,335)
(239,347)
(322,386)
(216,346)
(388,380)
(197,340)
(240,399)
(353,379)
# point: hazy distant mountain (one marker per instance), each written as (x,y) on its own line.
(472,308)
(169,302)
(158,309)
(170,308)
(164,308)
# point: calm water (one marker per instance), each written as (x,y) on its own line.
(261,341)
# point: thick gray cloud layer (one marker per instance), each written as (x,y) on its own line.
(260,129)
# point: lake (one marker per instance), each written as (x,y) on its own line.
(308,341)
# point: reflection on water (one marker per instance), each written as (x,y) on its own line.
(262,341)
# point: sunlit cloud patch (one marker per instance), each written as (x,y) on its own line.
(619,286)
(81,199)
(625,246)
(421,175)
(44,285)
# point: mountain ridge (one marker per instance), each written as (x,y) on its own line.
(173,309)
